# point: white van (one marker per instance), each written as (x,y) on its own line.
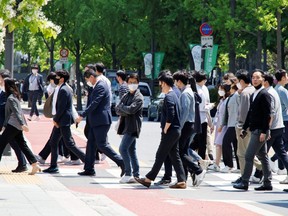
(145,91)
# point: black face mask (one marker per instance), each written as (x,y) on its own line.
(56,81)
(258,87)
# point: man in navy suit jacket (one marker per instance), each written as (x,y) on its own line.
(62,120)
(20,156)
(99,118)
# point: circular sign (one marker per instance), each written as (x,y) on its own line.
(64,53)
(206,30)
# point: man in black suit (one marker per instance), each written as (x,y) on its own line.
(20,156)
(257,120)
(62,120)
(99,117)
(33,84)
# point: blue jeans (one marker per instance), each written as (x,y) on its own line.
(127,150)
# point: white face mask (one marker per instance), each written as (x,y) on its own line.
(133,87)
(89,84)
(221,93)
(239,86)
(34,71)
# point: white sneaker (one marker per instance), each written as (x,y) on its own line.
(273,166)
(282,172)
(204,164)
(235,171)
(73,162)
(40,159)
(199,178)
(216,168)
(226,169)
(285,181)
(127,180)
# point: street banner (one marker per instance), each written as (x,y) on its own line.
(158,59)
(147,64)
(196,50)
(210,59)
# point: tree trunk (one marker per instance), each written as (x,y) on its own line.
(259,50)
(78,75)
(279,39)
(230,36)
(52,54)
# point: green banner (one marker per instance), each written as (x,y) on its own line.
(210,59)
(158,59)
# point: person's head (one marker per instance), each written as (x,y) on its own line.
(51,77)
(200,78)
(281,76)
(242,78)
(34,69)
(99,68)
(90,77)
(224,90)
(257,78)
(90,66)
(268,80)
(62,76)
(228,78)
(165,81)
(180,79)
(4,73)
(11,87)
(120,76)
(132,82)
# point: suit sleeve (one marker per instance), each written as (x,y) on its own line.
(62,100)
(266,107)
(96,97)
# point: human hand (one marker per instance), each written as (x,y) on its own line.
(25,128)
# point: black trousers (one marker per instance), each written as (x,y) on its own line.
(33,98)
(64,133)
(13,134)
(168,146)
(230,139)
(200,141)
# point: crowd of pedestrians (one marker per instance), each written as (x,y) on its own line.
(251,117)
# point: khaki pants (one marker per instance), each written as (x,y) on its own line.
(241,151)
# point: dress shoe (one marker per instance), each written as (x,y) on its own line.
(285,190)
(20,169)
(237,181)
(264,188)
(35,169)
(163,182)
(87,173)
(51,170)
(178,185)
(143,182)
(242,186)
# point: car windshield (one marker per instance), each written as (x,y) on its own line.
(144,90)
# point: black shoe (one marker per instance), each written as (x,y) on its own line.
(87,173)
(242,186)
(20,169)
(122,166)
(285,190)
(163,182)
(51,170)
(258,174)
(237,181)
(264,188)
(143,182)
(211,157)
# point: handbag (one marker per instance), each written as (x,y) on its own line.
(47,109)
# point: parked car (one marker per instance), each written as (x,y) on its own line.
(154,109)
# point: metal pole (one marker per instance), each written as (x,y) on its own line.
(9,62)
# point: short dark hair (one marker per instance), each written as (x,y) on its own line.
(166,77)
(100,67)
(243,74)
(121,74)
(269,78)
(63,74)
(34,66)
(89,72)
(257,70)
(199,76)
(182,76)
(279,74)
(91,66)
(4,73)
(133,76)
(50,76)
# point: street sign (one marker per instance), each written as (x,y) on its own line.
(206,42)
(64,53)
(206,29)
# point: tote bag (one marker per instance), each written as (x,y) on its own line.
(47,110)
